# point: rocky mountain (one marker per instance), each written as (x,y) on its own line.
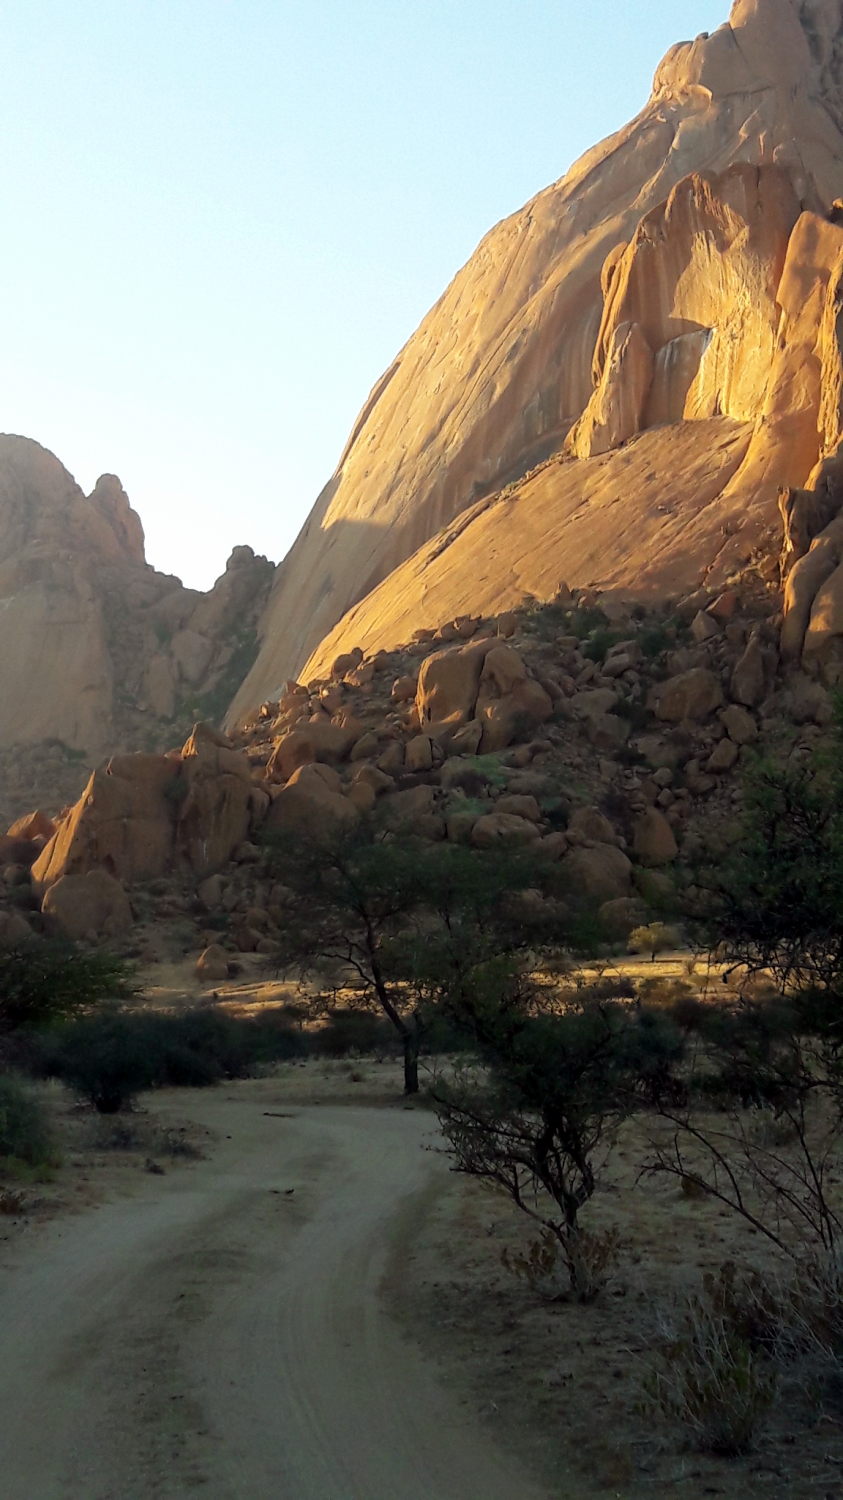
(614,388)
(98,651)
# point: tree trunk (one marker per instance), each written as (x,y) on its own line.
(410,1039)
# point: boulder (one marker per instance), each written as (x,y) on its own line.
(209,892)
(449,682)
(519,805)
(124,822)
(311,804)
(703,627)
(15,931)
(601,872)
(749,678)
(19,851)
(502,828)
(653,839)
(31,826)
(723,756)
(321,742)
(404,689)
(589,826)
(212,965)
(345,663)
(214,816)
(692,695)
(413,810)
(620,917)
(418,753)
(739,724)
(93,906)
(510,703)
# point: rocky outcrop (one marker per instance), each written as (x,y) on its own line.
(142,815)
(682,273)
(98,651)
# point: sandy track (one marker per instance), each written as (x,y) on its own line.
(215,1334)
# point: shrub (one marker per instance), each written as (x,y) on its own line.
(353,1031)
(110,1058)
(708,1378)
(653,939)
(546,1271)
(48,981)
(600,643)
(103,1059)
(25,1135)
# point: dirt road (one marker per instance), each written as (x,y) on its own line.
(217,1333)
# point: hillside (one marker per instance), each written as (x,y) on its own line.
(685,270)
(99,651)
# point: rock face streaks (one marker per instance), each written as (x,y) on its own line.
(668,278)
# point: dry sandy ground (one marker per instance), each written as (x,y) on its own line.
(222,1327)
(356,1338)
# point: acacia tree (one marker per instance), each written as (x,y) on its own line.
(774,909)
(53,980)
(774,904)
(542,1119)
(398,923)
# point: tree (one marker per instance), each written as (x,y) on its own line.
(774,903)
(402,924)
(652,939)
(51,980)
(773,1073)
(542,1121)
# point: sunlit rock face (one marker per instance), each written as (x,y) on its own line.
(98,651)
(644,288)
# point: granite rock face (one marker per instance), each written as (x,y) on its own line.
(682,273)
(99,652)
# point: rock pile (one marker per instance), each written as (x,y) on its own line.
(609,739)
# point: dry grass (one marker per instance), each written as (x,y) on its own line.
(567,1382)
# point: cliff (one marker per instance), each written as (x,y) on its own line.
(680,274)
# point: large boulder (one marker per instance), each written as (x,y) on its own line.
(449,682)
(34,825)
(620,917)
(588,825)
(600,872)
(653,840)
(90,907)
(510,703)
(694,695)
(124,822)
(214,816)
(497,828)
(324,742)
(749,678)
(212,965)
(15,931)
(311,804)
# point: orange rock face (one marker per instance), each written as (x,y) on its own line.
(679,274)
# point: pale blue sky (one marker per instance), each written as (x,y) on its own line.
(222,218)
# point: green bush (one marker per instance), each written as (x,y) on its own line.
(356,1031)
(110,1058)
(104,1059)
(47,981)
(600,643)
(25,1135)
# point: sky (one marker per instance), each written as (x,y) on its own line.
(223,218)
